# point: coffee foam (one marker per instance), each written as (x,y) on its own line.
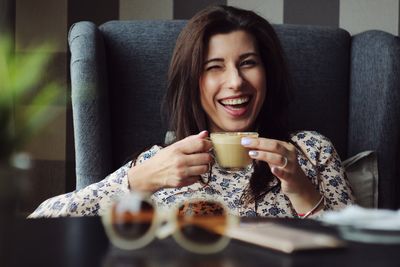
(230,138)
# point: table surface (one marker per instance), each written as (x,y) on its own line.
(82,242)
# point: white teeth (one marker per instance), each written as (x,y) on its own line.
(235,101)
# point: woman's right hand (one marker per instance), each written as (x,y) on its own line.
(177,165)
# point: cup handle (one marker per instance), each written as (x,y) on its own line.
(211,149)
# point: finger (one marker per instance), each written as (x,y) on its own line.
(273,159)
(198,159)
(172,182)
(203,134)
(266,144)
(197,170)
(280,173)
(195,143)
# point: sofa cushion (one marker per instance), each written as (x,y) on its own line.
(362,172)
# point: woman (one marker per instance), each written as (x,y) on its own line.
(229,65)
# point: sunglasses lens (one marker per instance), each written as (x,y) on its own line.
(132,219)
(203,222)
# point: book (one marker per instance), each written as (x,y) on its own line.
(283,238)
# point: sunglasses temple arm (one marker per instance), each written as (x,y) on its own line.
(165,230)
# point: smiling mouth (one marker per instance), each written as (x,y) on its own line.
(236,103)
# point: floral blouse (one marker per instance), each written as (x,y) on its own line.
(317,158)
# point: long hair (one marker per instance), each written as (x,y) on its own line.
(183,108)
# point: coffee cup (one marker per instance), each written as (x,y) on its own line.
(229,152)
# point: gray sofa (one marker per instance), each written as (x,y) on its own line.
(345,87)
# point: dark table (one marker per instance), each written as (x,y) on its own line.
(82,242)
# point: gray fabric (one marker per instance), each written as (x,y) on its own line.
(123,65)
(318,61)
(90,104)
(375,107)
(139,53)
(363,175)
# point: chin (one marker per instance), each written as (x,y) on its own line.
(238,128)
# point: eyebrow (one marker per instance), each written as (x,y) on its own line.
(242,56)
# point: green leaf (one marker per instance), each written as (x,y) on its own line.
(23,84)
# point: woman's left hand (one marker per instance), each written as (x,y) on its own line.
(282,160)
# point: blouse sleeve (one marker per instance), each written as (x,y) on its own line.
(323,166)
(93,199)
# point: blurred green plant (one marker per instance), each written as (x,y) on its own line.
(23,84)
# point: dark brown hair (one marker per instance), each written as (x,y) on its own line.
(183,108)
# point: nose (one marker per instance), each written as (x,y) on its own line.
(234,79)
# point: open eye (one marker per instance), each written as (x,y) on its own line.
(248,63)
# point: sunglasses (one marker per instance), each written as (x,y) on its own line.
(198,225)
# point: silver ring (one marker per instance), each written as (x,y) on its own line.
(284,164)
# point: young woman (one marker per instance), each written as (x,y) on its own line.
(227,73)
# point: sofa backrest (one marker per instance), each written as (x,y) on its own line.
(138,55)
(345,87)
